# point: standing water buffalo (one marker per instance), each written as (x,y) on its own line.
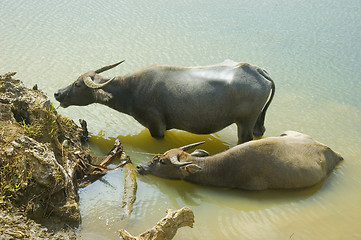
(293,160)
(200,100)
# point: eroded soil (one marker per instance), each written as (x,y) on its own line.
(41,158)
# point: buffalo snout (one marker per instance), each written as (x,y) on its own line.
(141,170)
(60,96)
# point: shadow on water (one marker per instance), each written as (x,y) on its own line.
(143,143)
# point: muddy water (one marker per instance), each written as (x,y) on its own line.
(311,49)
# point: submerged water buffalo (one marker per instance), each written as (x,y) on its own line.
(292,160)
(200,100)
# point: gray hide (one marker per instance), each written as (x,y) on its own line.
(293,160)
(200,100)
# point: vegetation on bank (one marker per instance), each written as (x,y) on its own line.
(41,159)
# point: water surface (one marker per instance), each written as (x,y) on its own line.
(310,48)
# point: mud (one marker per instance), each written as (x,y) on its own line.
(42,155)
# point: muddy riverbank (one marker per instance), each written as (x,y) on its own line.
(42,155)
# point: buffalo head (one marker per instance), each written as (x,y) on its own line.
(86,89)
(173,164)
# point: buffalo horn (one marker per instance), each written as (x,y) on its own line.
(91,84)
(190,146)
(108,67)
(174,160)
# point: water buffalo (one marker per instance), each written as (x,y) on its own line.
(292,160)
(200,100)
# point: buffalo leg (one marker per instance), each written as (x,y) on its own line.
(259,129)
(157,131)
(244,133)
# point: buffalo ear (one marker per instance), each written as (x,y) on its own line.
(190,169)
(200,153)
(102,96)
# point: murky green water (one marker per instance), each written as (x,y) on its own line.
(311,49)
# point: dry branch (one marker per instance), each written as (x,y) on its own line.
(101,169)
(130,176)
(166,228)
(116,150)
(130,188)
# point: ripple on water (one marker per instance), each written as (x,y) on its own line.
(313,58)
(260,224)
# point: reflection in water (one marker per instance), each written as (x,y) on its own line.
(310,48)
(228,213)
(150,146)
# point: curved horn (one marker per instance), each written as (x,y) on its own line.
(108,67)
(190,146)
(91,84)
(174,160)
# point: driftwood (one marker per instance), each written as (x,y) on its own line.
(130,176)
(101,169)
(130,187)
(117,149)
(166,228)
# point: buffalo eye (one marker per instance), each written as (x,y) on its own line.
(155,159)
(161,161)
(77,84)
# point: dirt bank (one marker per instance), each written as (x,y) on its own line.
(41,158)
